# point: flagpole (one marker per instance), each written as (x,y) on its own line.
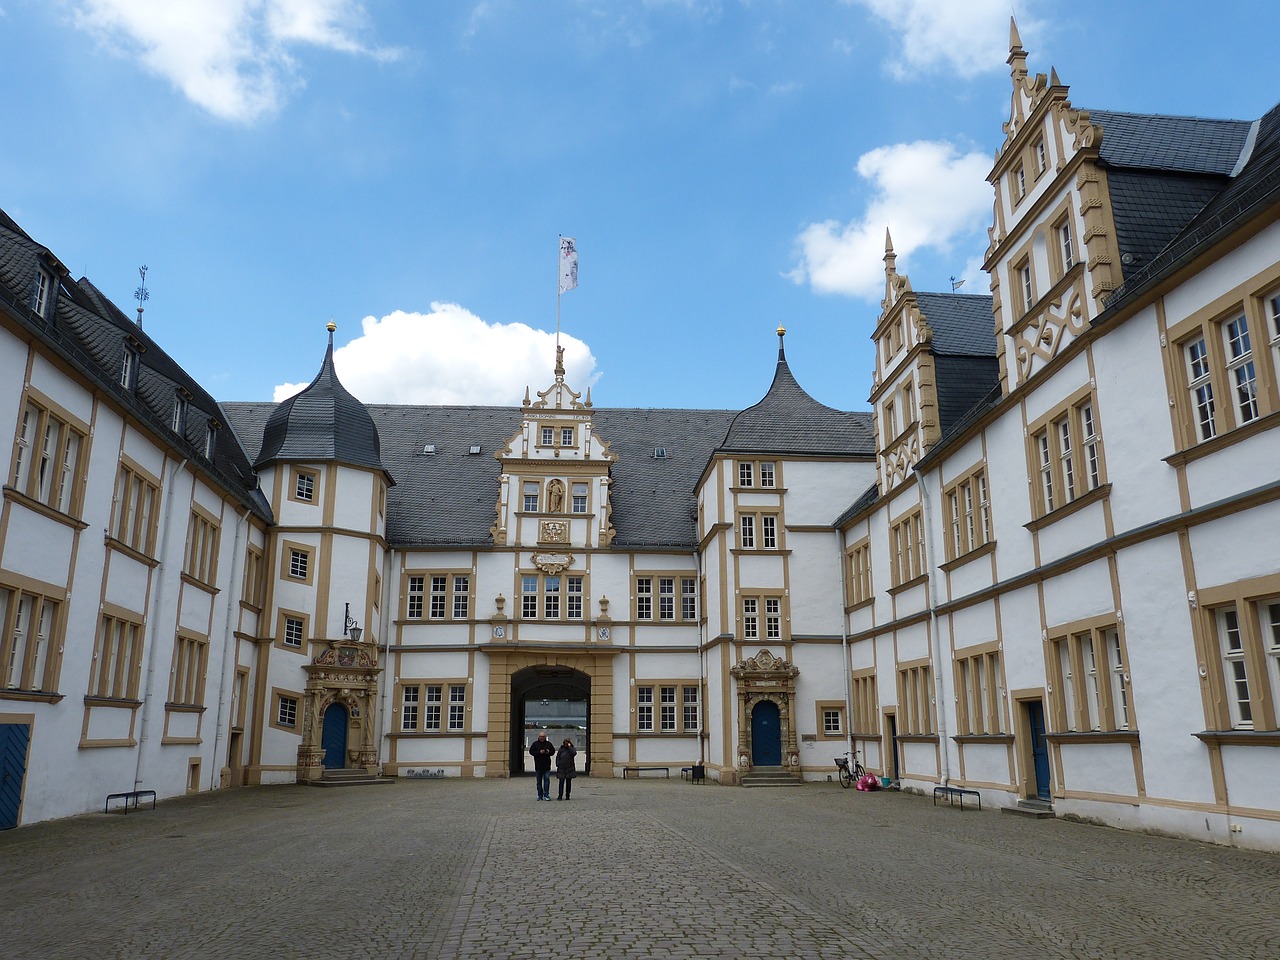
(559,293)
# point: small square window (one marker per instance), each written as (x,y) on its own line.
(293,631)
(305,487)
(288,712)
(299,561)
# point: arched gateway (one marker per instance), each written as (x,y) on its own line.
(564,694)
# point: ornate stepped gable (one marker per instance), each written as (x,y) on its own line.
(557,453)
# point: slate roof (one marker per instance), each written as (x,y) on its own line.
(963,324)
(789,421)
(447,498)
(322,422)
(1253,192)
(1156,142)
(91,333)
(1162,170)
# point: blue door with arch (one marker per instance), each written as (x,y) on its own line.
(14,738)
(766,735)
(333,736)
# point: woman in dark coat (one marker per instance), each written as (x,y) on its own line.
(565,769)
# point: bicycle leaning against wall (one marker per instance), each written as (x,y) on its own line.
(850,773)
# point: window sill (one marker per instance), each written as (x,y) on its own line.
(31,696)
(43,509)
(1098,493)
(200,584)
(760,551)
(913,582)
(184,708)
(1223,440)
(1093,736)
(741,490)
(980,738)
(859,604)
(112,702)
(430,734)
(987,548)
(120,546)
(1240,738)
(917,738)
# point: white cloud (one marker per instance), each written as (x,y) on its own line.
(452,356)
(926,193)
(968,38)
(229,57)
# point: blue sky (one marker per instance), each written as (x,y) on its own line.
(406,167)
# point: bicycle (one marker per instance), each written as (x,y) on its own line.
(848,776)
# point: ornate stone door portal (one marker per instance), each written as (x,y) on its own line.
(766,678)
(346,673)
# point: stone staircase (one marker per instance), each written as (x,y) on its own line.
(1039,809)
(771,777)
(349,777)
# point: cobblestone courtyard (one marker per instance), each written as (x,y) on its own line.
(627,869)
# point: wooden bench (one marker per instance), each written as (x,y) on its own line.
(694,774)
(666,771)
(130,797)
(956,793)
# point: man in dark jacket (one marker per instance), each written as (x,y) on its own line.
(542,751)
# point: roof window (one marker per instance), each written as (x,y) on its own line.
(474,449)
(429,450)
(659,453)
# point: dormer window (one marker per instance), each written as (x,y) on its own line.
(210,440)
(42,297)
(659,453)
(179,423)
(129,368)
(473,449)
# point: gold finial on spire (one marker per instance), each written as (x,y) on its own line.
(331,326)
(782,331)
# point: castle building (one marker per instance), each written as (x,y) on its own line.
(1042,567)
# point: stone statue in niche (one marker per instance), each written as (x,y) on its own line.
(555,497)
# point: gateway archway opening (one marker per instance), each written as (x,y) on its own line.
(551,700)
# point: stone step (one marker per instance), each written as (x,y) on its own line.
(350,777)
(1037,809)
(771,777)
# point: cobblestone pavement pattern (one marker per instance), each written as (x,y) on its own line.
(650,869)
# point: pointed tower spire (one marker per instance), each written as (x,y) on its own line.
(782,353)
(890,258)
(1053,77)
(1017,56)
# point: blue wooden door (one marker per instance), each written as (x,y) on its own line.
(333,738)
(14,738)
(766,735)
(1039,748)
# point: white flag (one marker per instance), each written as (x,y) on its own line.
(568,264)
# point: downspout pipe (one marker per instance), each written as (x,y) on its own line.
(229,643)
(844,644)
(157,602)
(388,682)
(935,638)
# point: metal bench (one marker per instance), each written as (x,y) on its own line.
(956,793)
(130,798)
(666,771)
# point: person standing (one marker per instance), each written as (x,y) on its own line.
(565,768)
(542,751)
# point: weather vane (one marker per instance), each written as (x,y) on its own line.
(141,294)
(956,284)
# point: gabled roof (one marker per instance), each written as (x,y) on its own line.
(1254,192)
(90,333)
(788,420)
(322,422)
(1148,141)
(447,497)
(963,324)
